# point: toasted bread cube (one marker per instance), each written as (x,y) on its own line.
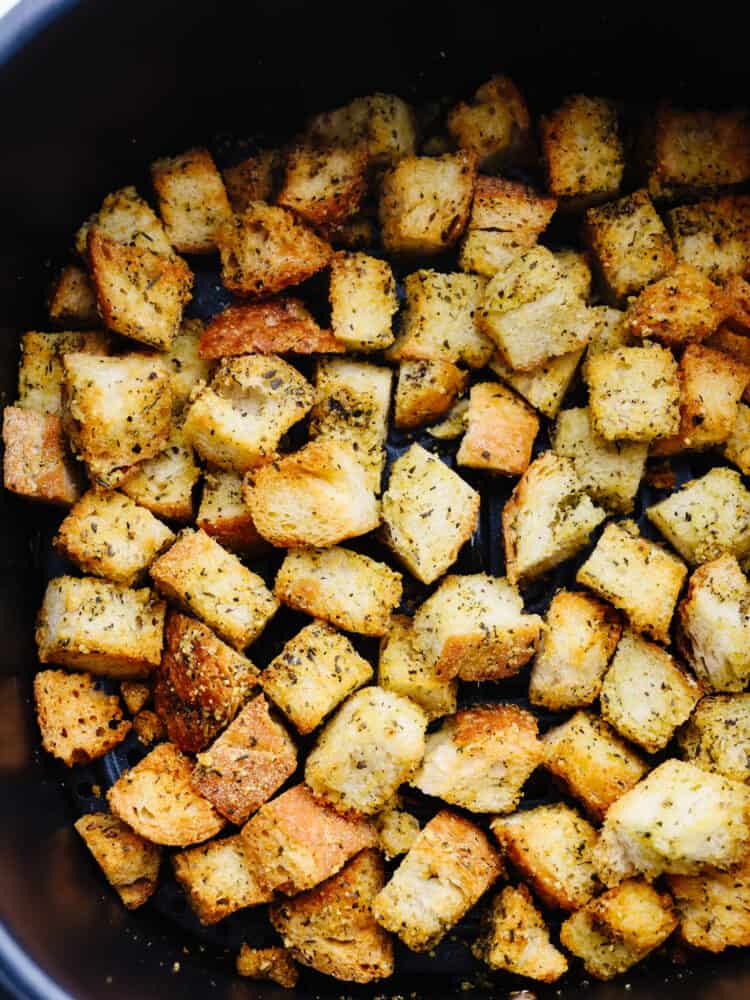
(737,445)
(618,929)
(344,588)
(252,179)
(611,331)
(186,365)
(713,908)
(495,125)
(736,345)
(324,186)
(192,199)
(515,938)
(315,671)
(204,578)
(237,421)
(126,218)
(363,300)
(448,867)
(373,744)
(274,965)
(267,249)
(713,236)
(107,534)
(580,637)
(279,326)
(36,463)
(72,300)
(547,519)
(480,758)
(100,626)
(678,820)
(455,424)
(543,387)
(148,727)
(225,516)
(117,412)
(737,304)
(217,879)
(425,202)
(630,245)
(717,737)
(429,512)
(583,154)
(130,863)
(295,841)
(501,431)
(425,391)
(593,762)
(397,831)
(683,306)
(406,669)
(135,695)
(575,266)
(164,484)
(40,373)
(385,124)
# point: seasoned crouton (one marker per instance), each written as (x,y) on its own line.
(385,124)
(574,265)
(406,669)
(331,928)
(72,300)
(455,423)
(36,463)
(397,831)
(278,326)
(638,576)
(363,300)
(737,445)
(736,345)
(217,879)
(186,366)
(294,841)
(237,421)
(425,391)
(148,727)
(126,218)
(495,125)
(324,186)
(267,249)
(252,179)
(100,626)
(630,245)
(591,759)
(717,737)
(448,867)
(156,799)
(135,694)
(224,515)
(315,671)
(737,304)
(129,863)
(273,964)
(547,519)
(204,578)
(684,306)
(713,908)
(678,820)
(501,431)
(373,744)
(116,411)
(192,199)
(580,637)
(611,331)
(429,512)
(344,588)
(515,938)
(425,202)
(544,387)
(480,758)
(164,484)
(713,236)
(40,372)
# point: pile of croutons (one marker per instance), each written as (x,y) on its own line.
(444,275)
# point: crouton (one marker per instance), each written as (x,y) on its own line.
(580,637)
(406,669)
(737,304)
(501,431)
(736,345)
(574,265)
(107,534)
(638,576)
(192,199)
(116,411)
(238,419)
(156,799)
(448,867)
(544,387)
(100,626)
(294,842)
(267,249)
(316,670)
(630,245)
(713,236)
(397,831)
(455,424)
(713,908)
(238,604)
(737,445)
(683,306)
(594,763)
(429,512)
(474,627)
(40,372)
(252,179)
(480,758)
(274,965)
(164,484)
(547,519)
(425,202)
(425,391)
(495,125)
(583,153)
(515,938)
(331,928)
(279,326)
(717,737)
(135,695)
(373,744)
(186,366)
(678,820)
(324,186)
(551,846)
(224,515)
(217,879)
(611,331)
(126,218)
(359,232)
(36,463)
(385,124)
(363,300)
(349,590)
(148,728)
(72,300)
(129,863)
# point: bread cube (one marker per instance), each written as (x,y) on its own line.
(156,799)
(186,365)
(583,153)
(130,864)
(425,391)
(575,266)
(72,300)
(495,125)
(274,965)
(480,758)
(501,431)
(448,867)
(684,306)
(192,198)
(455,424)
(224,515)
(316,670)
(294,842)
(116,411)
(282,325)
(128,219)
(383,122)
(717,737)
(148,728)
(425,202)
(36,463)
(100,626)
(135,695)
(164,484)
(737,304)
(324,186)
(40,372)
(267,249)
(543,387)
(429,512)
(580,637)
(238,419)
(713,236)
(630,245)
(252,179)
(202,577)
(397,831)
(349,590)
(363,300)
(217,879)
(594,763)
(737,445)
(406,669)
(713,908)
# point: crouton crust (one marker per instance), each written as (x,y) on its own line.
(129,863)
(501,431)
(324,186)
(192,199)
(278,326)
(36,464)
(273,964)
(425,391)
(683,306)
(217,879)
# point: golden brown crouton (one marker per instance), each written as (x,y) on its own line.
(148,727)
(252,179)
(274,965)
(192,199)
(135,694)
(130,863)
(737,304)
(611,331)
(324,186)
(363,300)
(126,218)
(384,123)
(164,484)
(72,300)
(425,391)
(501,431)
(278,326)
(737,446)
(40,372)
(684,306)
(495,125)
(224,515)
(543,387)
(397,831)
(713,236)
(406,669)
(713,908)
(455,423)
(217,879)
(186,366)
(717,737)
(36,463)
